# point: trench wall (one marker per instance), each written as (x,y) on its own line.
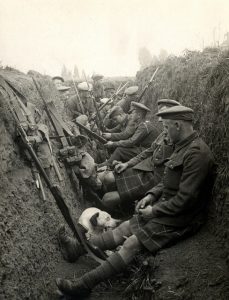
(200,80)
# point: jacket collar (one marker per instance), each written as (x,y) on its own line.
(186,141)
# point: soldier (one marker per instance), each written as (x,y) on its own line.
(131,94)
(98,89)
(109,90)
(145,133)
(85,95)
(58,81)
(62,105)
(132,179)
(125,125)
(106,109)
(170,211)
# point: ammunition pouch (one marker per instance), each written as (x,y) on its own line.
(70,155)
(32,129)
(34,139)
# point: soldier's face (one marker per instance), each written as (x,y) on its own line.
(172,129)
(118,118)
(109,93)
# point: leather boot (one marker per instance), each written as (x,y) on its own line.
(72,289)
(81,287)
(69,247)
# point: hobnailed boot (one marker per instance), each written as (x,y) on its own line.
(69,247)
(82,286)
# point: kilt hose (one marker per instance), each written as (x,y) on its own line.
(155,236)
(133,184)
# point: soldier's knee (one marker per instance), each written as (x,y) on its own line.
(108,178)
(131,244)
(123,229)
(111,199)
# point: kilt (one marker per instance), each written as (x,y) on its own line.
(155,236)
(133,184)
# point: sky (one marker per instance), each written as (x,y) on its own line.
(104,36)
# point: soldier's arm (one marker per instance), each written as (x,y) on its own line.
(136,138)
(115,129)
(125,134)
(140,157)
(196,168)
(157,190)
(147,153)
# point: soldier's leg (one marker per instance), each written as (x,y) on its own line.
(111,199)
(69,246)
(108,180)
(113,265)
(112,238)
(123,154)
(71,249)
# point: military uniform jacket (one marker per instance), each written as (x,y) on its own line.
(183,193)
(123,131)
(143,136)
(153,158)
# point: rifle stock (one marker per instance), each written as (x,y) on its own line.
(91,133)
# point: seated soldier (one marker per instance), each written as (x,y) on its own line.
(170,211)
(145,133)
(125,125)
(109,89)
(104,110)
(85,96)
(130,95)
(131,180)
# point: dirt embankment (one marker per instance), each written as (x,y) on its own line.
(28,248)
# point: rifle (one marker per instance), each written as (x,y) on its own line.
(115,94)
(147,85)
(91,133)
(95,252)
(99,120)
(77,93)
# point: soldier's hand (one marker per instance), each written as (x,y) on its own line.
(144,202)
(147,212)
(107,135)
(109,144)
(119,168)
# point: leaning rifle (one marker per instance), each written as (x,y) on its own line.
(94,252)
(77,93)
(91,133)
(147,85)
(113,96)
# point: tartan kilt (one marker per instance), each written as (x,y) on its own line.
(133,184)
(155,236)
